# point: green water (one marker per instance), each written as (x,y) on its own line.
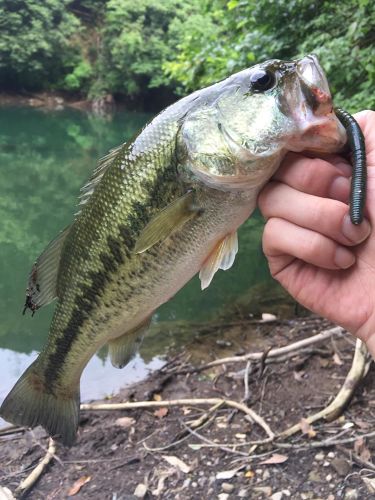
(45,157)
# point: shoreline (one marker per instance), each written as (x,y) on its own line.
(191,451)
(45,100)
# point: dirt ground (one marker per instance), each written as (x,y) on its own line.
(198,451)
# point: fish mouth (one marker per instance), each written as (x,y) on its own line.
(311,107)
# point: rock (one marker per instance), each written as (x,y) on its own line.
(351,494)
(223,343)
(140,491)
(227,487)
(266,474)
(314,476)
(268,317)
(277,496)
(223,496)
(265,490)
(331,454)
(319,456)
(341,466)
(243,493)
(202,481)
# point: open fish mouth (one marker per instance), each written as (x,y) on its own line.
(311,107)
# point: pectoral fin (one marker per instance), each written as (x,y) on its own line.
(122,349)
(167,221)
(222,257)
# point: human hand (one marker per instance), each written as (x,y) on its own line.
(315,252)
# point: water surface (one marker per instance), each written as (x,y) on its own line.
(45,157)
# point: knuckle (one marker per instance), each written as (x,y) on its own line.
(270,230)
(264,197)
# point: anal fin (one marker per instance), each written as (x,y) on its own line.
(123,348)
(222,257)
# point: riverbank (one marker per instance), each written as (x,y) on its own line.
(196,450)
(56,101)
(153,102)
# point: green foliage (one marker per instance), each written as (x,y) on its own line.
(230,35)
(128,48)
(34,42)
(79,77)
(135,42)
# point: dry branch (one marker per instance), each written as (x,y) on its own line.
(184,402)
(353,378)
(32,478)
(273,353)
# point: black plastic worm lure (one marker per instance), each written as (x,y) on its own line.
(356,143)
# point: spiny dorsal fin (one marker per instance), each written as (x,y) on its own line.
(222,257)
(167,221)
(103,164)
(122,349)
(41,288)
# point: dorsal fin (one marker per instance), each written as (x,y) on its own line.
(41,288)
(101,168)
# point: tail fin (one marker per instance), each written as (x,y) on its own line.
(29,404)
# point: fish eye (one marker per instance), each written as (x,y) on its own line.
(262,80)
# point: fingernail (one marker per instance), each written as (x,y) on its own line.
(356,234)
(344,258)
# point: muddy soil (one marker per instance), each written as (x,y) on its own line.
(165,453)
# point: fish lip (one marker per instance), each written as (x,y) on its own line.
(317,127)
(320,134)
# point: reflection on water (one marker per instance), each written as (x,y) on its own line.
(45,158)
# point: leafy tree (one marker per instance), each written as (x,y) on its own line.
(227,36)
(34,42)
(135,43)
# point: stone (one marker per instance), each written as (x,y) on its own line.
(351,494)
(341,466)
(227,487)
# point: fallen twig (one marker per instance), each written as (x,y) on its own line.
(356,458)
(259,356)
(31,479)
(11,429)
(326,443)
(208,441)
(183,402)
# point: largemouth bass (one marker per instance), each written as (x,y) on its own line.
(155,212)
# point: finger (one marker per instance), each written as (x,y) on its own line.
(283,242)
(325,216)
(316,176)
(366,120)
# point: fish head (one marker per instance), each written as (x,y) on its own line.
(240,128)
